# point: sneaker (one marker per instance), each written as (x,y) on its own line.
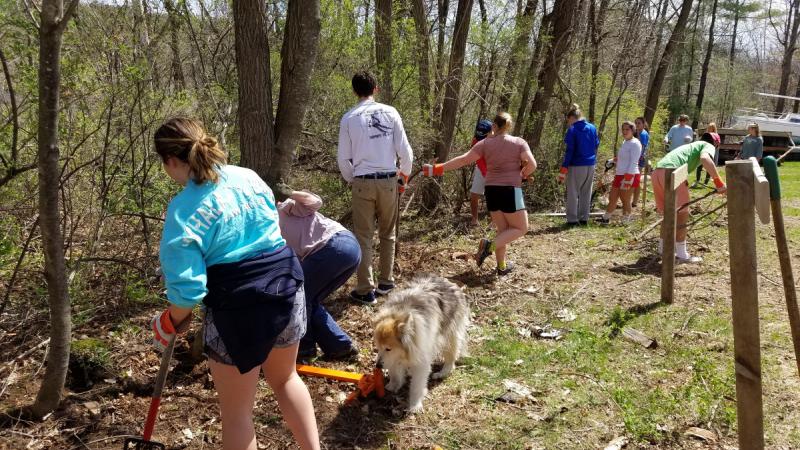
(305,356)
(348,354)
(484,250)
(696,185)
(627,219)
(384,289)
(364,299)
(602,220)
(509,268)
(689,260)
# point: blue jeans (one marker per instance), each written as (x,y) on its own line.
(326,270)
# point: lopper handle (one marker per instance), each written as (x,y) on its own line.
(152,413)
(771,172)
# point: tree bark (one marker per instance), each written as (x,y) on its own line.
(383,47)
(563,11)
(454,79)
(661,20)
(701,88)
(256,130)
(53,21)
(597,20)
(522,29)
(441,19)
(174,44)
(654,89)
(692,51)
(298,56)
(532,72)
(731,60)
(789,43)
(423,56)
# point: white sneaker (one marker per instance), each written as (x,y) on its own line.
(627,219)
(689,260)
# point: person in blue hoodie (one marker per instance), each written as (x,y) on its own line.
(577,169)
(221,245)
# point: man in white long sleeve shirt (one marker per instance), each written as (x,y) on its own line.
(680,133)
(371,141)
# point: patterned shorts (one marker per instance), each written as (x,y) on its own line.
(294,331)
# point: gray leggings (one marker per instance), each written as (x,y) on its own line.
(579,193)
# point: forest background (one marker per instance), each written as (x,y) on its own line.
(85,85)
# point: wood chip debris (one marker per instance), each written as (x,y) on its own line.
(701,433)
(617,444)
(638,337)
(516,393)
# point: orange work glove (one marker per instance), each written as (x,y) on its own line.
(402,182)
(562,174)
(433,170)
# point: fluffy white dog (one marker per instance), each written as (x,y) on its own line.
(416,325)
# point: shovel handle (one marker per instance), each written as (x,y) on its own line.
(771,172)
(152,413)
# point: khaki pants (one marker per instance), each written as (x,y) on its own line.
(374,199)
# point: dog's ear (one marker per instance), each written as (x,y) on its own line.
(405,331)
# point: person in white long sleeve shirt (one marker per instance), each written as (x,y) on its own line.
(627,174)
(680,133)
(371,141)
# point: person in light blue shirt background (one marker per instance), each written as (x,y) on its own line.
(221,245)
(680,133)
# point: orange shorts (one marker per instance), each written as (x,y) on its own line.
(682,193)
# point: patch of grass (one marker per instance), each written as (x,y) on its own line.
(92,350)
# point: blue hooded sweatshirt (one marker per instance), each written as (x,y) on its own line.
(582,143)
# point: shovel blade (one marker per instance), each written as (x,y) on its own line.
(141,444)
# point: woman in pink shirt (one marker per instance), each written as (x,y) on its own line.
(508,161)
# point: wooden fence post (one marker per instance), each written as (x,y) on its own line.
(673,178)
(744,296)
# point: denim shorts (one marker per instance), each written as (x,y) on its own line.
(294,331)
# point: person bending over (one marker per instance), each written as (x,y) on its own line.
(694,154)
(329,254)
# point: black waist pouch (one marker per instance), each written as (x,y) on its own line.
(252,302)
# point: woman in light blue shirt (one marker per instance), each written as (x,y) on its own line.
(221,245)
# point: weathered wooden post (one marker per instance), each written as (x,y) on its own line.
(771,169)
(744,296)
(672,179)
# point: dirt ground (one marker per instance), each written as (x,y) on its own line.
(586,388)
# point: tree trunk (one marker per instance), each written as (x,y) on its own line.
(597,20)
(789,47)
(298,55)
(796,106)
(383,47)
(522,29)
(731,60)
(53,21)
(453,82)
(485,68)
(441,19)
(692,50)
(701,88)
(532,72)
(556,51)
(423,57)
(174,44)
(654,89)
(256,130)
(661,21)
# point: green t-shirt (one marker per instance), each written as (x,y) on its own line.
(688,154)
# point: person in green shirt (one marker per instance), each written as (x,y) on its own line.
(693,155)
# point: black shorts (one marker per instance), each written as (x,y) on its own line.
(507,199)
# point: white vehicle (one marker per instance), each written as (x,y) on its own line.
(769,121)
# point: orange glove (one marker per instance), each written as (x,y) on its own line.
(402,182)
(720,185)
(562,174)
(433,170)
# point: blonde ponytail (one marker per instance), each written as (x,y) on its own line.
(573,111)
(185,139)
(504,122)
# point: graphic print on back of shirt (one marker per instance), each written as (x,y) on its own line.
(377,121)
